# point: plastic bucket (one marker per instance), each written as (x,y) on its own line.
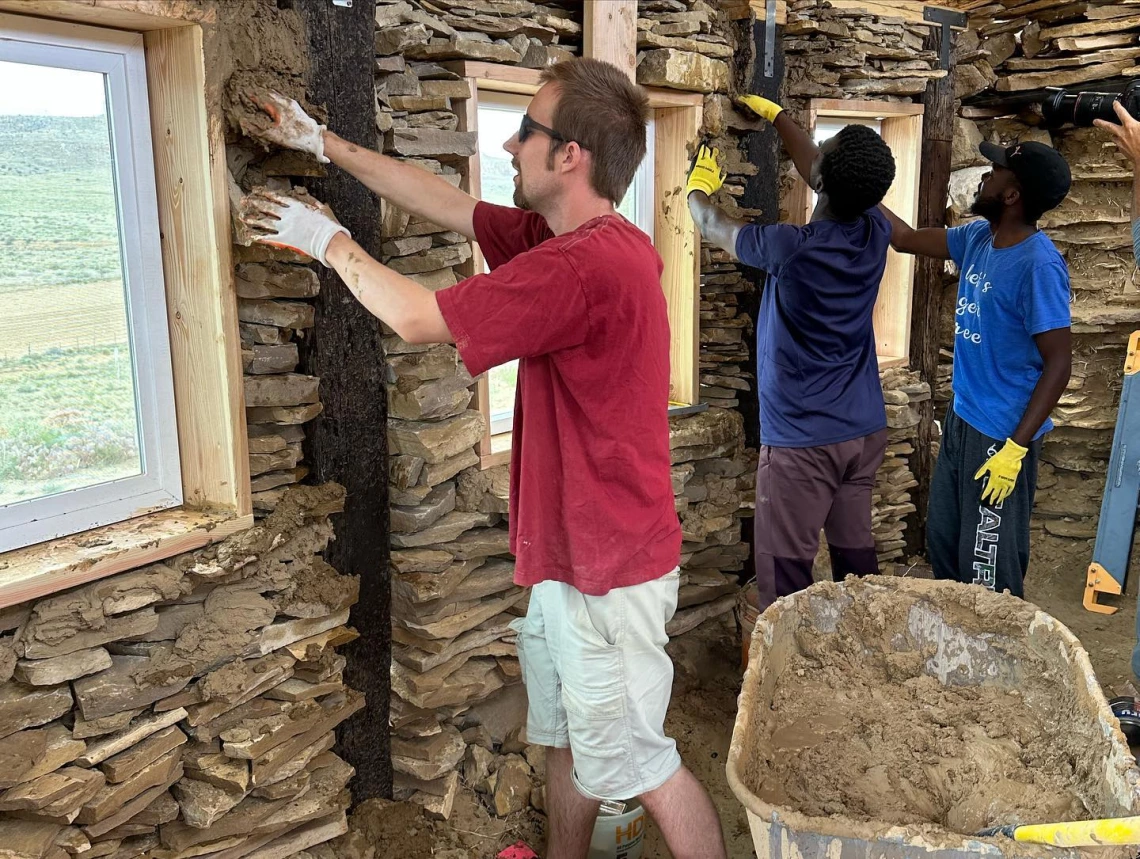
(619,836)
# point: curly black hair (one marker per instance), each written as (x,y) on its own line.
(858,172)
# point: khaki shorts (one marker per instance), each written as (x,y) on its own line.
(598,682)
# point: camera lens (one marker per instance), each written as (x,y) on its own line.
(1057,108)
(1079,108)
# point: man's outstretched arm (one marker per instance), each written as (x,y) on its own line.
(705,179)
(310,228)
(414,190)
(1127,138)
(927,242)
(797,142)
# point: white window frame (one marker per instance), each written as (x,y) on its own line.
(120,57)
(503,421)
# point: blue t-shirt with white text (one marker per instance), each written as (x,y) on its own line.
(817,371)
(1006,296)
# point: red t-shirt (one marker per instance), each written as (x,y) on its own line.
(591,497)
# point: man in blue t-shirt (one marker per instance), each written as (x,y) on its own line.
(823,425)
(1012,360)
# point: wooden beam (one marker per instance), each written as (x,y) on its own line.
(193,214)
(907,10)
(497,78)
(893,308)
(348,443)
(471,182)
(675,236)
(48,568)
(140,15)
(492,77)
(926,319)
(864,108)
(609,33)
(739,9)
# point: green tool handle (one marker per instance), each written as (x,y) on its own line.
(1082,833)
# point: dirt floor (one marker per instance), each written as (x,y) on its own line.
(701,718)
(1056,583)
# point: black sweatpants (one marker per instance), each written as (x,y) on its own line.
(966,540)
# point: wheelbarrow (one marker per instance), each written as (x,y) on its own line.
(961,636)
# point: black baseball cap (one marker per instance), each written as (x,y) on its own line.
(1042,171)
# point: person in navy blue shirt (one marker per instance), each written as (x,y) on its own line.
(1012,361)
(823,424)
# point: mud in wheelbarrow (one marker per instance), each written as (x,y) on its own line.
(888,717)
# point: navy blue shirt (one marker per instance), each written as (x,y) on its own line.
(817,369)
(1006,296)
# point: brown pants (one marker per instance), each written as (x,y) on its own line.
(803,490)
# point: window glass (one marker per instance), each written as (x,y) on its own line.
(68,411)
(88,432)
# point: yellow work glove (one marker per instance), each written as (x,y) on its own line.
(1002,469)
(761,106)
(705,174)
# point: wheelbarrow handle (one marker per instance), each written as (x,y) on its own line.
(1082,833)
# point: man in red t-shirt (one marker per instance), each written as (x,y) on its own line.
(574,292)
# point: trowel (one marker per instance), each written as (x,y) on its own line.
(1077,833)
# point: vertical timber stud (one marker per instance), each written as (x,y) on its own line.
(760,75)
(610,33)
(754,30)
(349,442)
(934,188)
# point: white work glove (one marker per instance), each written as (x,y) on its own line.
(292,128)
(286,222)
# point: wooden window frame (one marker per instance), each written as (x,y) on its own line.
(677,122)
(902,131)
(193,214)
(117,58)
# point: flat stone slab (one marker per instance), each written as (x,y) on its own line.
(61,669)
(28,706)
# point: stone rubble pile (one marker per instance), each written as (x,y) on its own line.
(844,53)
(1024,46)
(891,502)
(186,708)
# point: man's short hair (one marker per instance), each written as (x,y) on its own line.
(604,112)
(858,172)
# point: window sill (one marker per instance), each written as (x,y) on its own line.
(46,568)
(500,454)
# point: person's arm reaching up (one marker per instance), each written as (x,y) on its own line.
(927,242)
(310,228)
(414,190)
(705,179)
(1127,137)
(798,143)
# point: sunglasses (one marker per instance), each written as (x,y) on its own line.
(528,126)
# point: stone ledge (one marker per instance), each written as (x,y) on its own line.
(57,565)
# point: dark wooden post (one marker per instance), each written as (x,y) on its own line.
(933,190)
(756,75)
(349,442)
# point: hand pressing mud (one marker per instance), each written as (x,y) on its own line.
(298,222)
(275,119)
